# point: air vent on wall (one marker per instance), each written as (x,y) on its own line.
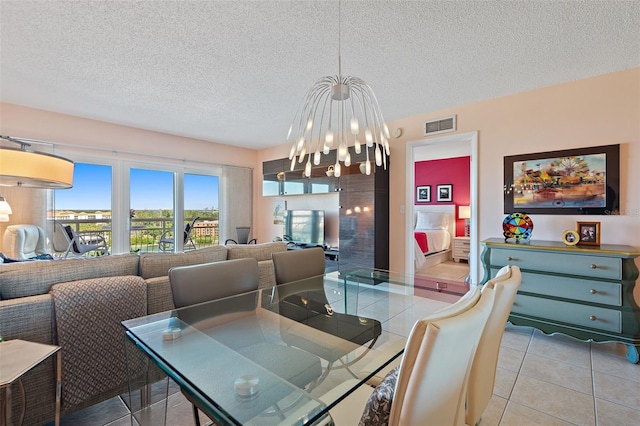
(447,124)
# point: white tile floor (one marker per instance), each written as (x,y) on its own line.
(541,380)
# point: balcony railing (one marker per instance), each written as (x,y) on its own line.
(146,232)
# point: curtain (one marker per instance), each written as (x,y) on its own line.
(236,201)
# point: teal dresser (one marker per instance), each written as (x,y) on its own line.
(582,291)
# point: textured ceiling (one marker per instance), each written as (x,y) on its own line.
(234,72)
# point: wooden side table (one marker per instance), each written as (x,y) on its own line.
(17,357)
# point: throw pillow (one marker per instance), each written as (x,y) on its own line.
(377,411)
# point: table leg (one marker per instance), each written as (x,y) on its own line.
(58,385)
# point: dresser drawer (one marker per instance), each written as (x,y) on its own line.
(577,289)
(561,263)
(571,313)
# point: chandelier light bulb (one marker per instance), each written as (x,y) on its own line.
(368,138)
(289,132)
(328,138)
(337,169)
(357,147)
(292,153)
(309,124)
(303,152)
(316,157)
(325,149)
(367,168)
(386,130)
(347,160)
(300,144)
(342,152)
(355,126)
(307,169)
(293,164)
(378,155)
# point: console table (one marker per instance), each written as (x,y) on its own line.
(581,291)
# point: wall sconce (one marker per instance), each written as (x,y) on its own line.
(5,209)
(464,212)
(22,167)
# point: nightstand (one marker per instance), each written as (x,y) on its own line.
(461,248)
(17,357)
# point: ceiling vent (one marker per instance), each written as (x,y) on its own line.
(447,124)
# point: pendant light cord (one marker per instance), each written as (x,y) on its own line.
(339,41)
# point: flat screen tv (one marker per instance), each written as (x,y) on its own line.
(304,227)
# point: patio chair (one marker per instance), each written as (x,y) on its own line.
(68,241)
(243,236)
(167,239)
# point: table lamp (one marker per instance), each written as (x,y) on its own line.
(464,212)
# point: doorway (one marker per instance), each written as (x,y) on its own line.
(454,145)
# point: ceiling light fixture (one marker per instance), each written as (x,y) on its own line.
(339,111)
(23,167)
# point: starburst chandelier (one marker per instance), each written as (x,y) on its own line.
(337,112)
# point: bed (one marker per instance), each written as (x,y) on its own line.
(434,228)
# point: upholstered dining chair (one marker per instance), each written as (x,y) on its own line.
(466,302)
(430,385)
(485,363)
(195,284)
(306,303)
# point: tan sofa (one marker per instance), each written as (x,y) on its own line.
(53,302)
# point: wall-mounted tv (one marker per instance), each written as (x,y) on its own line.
(304,227)
(572,181)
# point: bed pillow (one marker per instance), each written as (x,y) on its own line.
(431,220)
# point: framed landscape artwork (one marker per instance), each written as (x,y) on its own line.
(572,181)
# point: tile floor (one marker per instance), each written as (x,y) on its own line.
(541,380)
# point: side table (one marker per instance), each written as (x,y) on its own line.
(17,357)
(461,248)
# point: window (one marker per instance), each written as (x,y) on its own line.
(132,204)
(86,207)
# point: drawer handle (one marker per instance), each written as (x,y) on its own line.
(593,266)
(509,258)
(593,317)
(593,291)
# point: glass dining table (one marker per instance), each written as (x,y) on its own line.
(271,356)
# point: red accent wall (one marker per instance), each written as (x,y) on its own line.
(454,171)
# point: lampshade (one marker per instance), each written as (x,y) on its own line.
(5,208)
(19,167)
(464,212)
(4,218)
(337,112)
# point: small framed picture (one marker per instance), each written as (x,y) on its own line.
(589,233)
(445,192)
(423,194)
(570,237)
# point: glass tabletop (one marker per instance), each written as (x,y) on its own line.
(263,357)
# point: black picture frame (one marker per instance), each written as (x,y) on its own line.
(423,194)
(581,181)
(445,193)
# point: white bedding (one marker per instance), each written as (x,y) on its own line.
(437,239)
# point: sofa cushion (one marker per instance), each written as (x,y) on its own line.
(23,279)
(259,252)
(158,264)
